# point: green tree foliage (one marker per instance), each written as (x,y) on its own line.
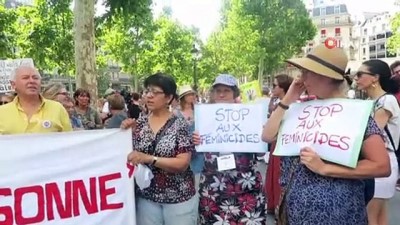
(284,27)
(394,41)
(7,32)
(128,8)
(44,33)
(256,36)
(170,50)
(235,47)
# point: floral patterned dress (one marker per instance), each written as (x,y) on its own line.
(318,200)
(231,197)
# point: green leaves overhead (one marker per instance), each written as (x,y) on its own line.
(257,35)
(44,33)
(254,37)
(394,41)
(7,32)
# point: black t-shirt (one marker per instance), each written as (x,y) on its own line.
(134,111)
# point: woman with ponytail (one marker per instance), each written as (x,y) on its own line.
(375,78)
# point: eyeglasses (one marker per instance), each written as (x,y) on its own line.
(152,92)
(4,102)
(360,73)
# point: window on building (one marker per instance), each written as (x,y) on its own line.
(381,46)
(380,36)
(337,20)
(372,48)
(323,33)
(365,31)
(323,21)
(380,56)
(337,9)
(337,32)
(364,51)
(363,40)
(323,11)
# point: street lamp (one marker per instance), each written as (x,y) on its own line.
(195,56)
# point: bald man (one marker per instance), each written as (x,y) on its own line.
(30,112)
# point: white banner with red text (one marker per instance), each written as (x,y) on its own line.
(333,128)
(67,178)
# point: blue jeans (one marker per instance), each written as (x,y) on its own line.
(153,213)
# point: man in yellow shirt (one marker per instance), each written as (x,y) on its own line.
(30,112)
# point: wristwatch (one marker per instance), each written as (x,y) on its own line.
(283,106)
(155,158)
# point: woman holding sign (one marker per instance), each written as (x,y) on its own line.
(231,194)
(374,77)
(315,191)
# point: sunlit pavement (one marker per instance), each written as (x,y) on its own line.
(394,204)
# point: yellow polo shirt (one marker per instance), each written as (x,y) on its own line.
(51,117)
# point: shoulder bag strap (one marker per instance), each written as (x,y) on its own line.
(386,127)
(390,137)
(161,134)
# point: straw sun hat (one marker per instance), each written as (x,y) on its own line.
(185,90)
(328,62)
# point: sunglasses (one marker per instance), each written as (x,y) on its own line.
(4,102)
(360,73)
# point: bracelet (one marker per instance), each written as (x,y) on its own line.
(283,106)
(154,161)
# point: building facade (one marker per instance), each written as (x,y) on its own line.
(332,22)
(371,37)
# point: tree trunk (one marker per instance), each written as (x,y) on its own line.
(261,70)
(85,52)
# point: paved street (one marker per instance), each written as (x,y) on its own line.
(394,205)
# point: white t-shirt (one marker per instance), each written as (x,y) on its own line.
(106,109)
(389,103)
(351,94)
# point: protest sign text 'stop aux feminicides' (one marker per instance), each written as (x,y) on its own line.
(327,126)
(231,127)
(312,118)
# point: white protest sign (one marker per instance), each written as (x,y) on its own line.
(67,178)
(231,127)
(333,128)
(6,67)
